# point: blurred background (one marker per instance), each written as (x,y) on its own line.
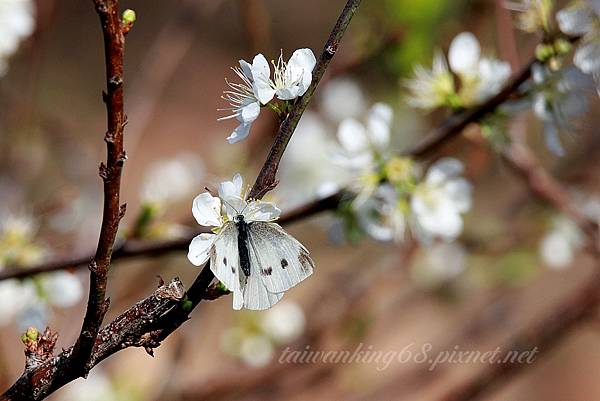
(515,262)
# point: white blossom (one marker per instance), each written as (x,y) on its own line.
(290,80)
(307,170)
(256,350)
(214,211)
(17,22)
(96,387)
(558,98)
(559,245)
(430,88)
(480,77)
(582,18)
(172,179)
(439,201)
(243,97)
(14,299)
(439,263)
(62,289)
(380,214)
(342,98)
(284,322)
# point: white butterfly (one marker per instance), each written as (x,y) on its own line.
(250,254)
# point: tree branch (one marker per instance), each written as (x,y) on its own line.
(266,179)
(114,48)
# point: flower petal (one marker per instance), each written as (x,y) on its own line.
(378,122)
(249,113)
(240,133)
(262,83)
(234,205)
(261,211)
(352,136)
(232,188)
(207,210)
(63,289)
(199,249)
(464,53)
(444,169)
(304,59)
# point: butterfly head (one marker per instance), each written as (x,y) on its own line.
(239,218)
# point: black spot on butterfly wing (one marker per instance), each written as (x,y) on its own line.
(266,272)
(284,263)
(306,262)
(225,261)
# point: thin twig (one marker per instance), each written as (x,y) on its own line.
(114,47)
(266,179)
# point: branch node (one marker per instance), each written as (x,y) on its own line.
(122,210)
(38,346)
(114,82)
(103,171)
(121,159)
(93,266)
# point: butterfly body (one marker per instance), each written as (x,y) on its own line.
(244,254)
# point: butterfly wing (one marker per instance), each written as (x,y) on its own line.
(277,258)
(256,296)
(224,261)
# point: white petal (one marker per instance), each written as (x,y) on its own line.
(379,121)
(352,136)
(246,69)
(444,169)
(234,205)
(288,93)
(464,53)
(232,188)
(207,210)
(459,191)
(240,133)
(199,248)
(306,61)
(262,81)
(249,113)
(261,211)
(342,98)
(63,289)
(575,20)
(303,58)
(587,56)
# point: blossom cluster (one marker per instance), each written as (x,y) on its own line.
(28,300)
(479,77)
(290,80)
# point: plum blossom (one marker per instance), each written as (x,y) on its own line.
(440,263)
(382,215)
(535,15)
(214,211)
(342,98)
(17,22)
(431,88)
(439,201)
(243,98)
(480,77)
(254,338)
(307,169)
(582,18)
(290,80)
(558,98)
(170,180)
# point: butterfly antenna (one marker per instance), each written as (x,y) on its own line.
(210,192)
(231,206)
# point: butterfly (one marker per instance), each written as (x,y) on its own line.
(250,253)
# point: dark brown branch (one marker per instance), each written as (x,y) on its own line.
(266,179)
(114,48)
